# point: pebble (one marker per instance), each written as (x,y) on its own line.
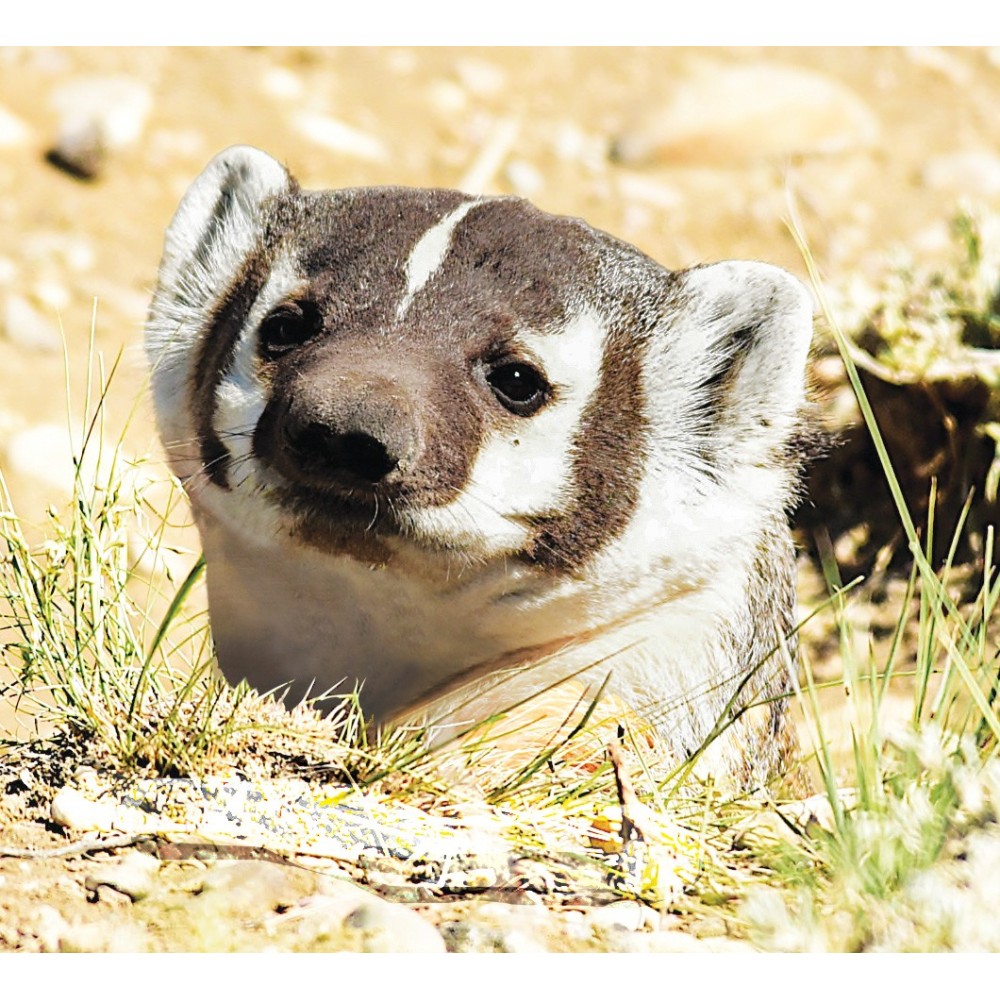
(282,83)
(255,887)
(480,77)
(338,136)
(97,116)
(525,178)
(13,131)
(133,876)
(972,172)
(30,327)
(380,926)
(728,115)
(446,97)
(623,915)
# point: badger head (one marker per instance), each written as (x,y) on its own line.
(453,387)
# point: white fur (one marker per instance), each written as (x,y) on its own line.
(428,254)
(526,471)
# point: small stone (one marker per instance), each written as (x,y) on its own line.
(115,937)
(728,115)
(446,97)
(256,886)
(710,927)
(133,876)
(480,77)
(72,810)
(524,178)
(973,172)
(30,327)
(623,915)
(282,83)
(338,136)
(49,928)
(379,926)
(13,131)
(97,116)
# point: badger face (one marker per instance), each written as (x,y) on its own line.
(468,375)
(503,412)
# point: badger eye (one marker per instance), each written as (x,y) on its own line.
(289,326)
(520,388)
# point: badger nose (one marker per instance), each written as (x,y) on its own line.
(343,456)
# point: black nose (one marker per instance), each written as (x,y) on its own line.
(344,457)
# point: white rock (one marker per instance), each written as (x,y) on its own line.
(972,172)
(13,131)
(133,876)
(30,327)
(282,83)
(446,97)
(728,115)
(338,136)
(54,295)
(74,811)
(97,115)
(380,926)
(50,927)
(480,77)
(117,105)
(524,177)
(623,915)
(8,271)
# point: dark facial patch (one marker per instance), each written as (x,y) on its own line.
(609,452)
(217,350)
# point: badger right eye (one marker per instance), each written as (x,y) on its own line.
(289,326)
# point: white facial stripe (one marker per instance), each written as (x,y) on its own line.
(428,254)
(528,470)
(240,399)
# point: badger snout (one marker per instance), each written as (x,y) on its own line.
(353,433)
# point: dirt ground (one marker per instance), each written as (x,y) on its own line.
(690,154)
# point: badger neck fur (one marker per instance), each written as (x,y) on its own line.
(457,450)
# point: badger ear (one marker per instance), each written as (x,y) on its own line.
(741,334)
(219,220)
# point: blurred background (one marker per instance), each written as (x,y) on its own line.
(891,157)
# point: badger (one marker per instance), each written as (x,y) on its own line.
(455,451)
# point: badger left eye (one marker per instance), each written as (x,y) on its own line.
(287,327)
(521,388)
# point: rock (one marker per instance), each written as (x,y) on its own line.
(73,811)
(30,327)
(116,937)
(378,926)
(623,915)
(282,83)
(728,115)
(338,136)
(49,927)
(480,77)
(524,178)
(97,116)
(133,876)
(13,131)
(255,887)
(972,172)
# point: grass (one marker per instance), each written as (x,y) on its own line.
(899,851)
